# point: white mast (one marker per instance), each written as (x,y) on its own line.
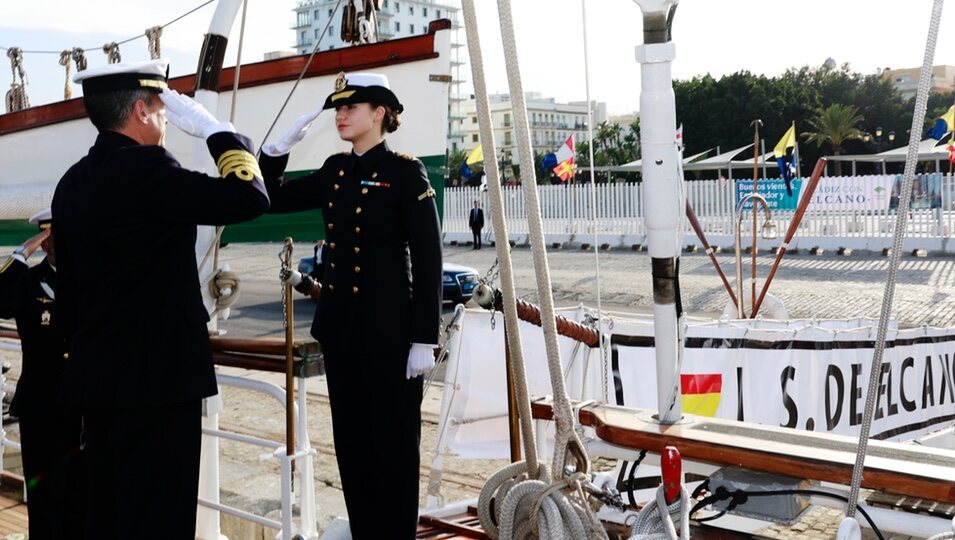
(665,202)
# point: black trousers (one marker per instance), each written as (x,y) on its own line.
(376,422)
(143,471)
(476,231)
(52,468)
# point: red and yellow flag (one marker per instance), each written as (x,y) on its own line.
(701,393)
(565,169)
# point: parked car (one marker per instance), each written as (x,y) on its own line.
(458,281)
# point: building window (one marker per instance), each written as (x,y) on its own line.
(474,119)
(317,15)
(424,11)
(397,7)
(507,138)
(302,40)
(330,47)
(331,30)
(397,26)
(474,137)
(507,119)
(424,29)
(329,13)
(411,10)
(438,13)
(303,19)
(318,33)
(411,29)
(384,4)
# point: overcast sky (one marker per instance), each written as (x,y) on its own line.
(716,37)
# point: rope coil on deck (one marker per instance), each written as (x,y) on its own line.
(655,521)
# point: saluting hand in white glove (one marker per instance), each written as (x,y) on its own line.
(420,359)
(190,116)
(293,136)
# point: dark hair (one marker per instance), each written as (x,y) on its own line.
(110,110)
(391,121)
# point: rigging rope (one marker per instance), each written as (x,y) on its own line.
(497,486)
(111,50)
(905,198)
(79,57)
(16,97)
(153,34)
(65,58)
(123,42)
(301,75)
(527,503)
(593,178)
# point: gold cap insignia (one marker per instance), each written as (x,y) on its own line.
(341,82)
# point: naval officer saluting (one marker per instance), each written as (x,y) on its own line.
(380,303)
(49,432)
(140,360)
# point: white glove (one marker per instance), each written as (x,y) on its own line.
(420,359)
(293,136)
(191,117)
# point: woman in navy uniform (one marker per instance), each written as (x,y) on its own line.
(140,359)
(49,433)
(379,308)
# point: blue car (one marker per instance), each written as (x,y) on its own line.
(458,281)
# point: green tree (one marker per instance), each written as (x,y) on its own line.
(835,125)
(455,160)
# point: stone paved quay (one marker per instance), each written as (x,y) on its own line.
(810,286)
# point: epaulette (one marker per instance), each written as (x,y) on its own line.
(409,157)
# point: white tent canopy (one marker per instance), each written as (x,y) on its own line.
(637,166)
(928,150)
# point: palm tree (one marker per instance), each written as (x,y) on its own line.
(835,125)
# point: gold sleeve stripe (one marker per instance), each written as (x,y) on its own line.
(6,264)
(428,193)
(240,163)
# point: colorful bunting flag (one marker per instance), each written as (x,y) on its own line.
(784,157)
(943,125)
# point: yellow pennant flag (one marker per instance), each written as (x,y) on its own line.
(476,155)
(788,141)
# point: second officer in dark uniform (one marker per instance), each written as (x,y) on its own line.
(49,433)
(379,308)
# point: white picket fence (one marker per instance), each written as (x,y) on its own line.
(568,216)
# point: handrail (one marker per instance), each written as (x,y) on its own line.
(489,297)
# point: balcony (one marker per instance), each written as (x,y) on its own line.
(306,44)
(298,24)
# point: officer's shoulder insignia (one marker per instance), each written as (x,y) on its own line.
(427,193)
(409,157)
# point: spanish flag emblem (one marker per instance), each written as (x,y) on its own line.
(701,393)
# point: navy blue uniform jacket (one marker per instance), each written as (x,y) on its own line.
(381,288)
(126,217)
(23,298)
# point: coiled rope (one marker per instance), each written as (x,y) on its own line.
(532,506)
(655,521)
(911,158)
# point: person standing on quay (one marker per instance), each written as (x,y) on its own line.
(140,360)
(476,222)
(379,309)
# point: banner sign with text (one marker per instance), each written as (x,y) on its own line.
(812,381)
(773,190)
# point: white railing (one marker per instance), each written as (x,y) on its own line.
(568,215)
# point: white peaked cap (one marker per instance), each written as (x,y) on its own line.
(367,79)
